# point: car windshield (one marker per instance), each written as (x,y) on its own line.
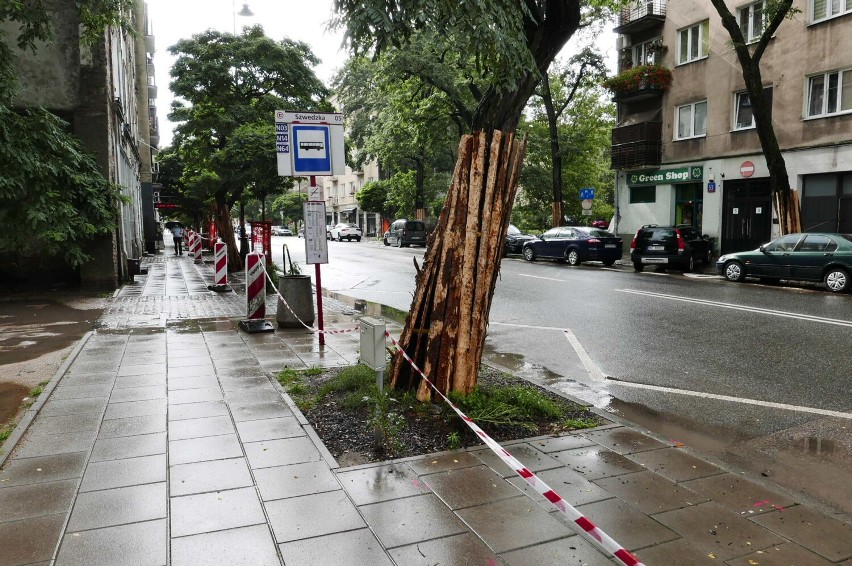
(415,226)
(656,235)
(513,230)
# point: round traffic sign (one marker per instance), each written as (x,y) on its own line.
(586,203)
(747,169)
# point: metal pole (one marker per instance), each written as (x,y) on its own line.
(319,288)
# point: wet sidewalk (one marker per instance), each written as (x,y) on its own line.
(165,439)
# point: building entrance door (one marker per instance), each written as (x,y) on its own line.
(747,218)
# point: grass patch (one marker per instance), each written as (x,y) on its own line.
(516,406)
(357,383)
(578,424)
(5,432)
(288,377)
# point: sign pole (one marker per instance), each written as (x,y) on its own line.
(319,288)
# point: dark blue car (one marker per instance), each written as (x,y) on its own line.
(574,245)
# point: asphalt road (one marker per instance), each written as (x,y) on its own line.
(758,376)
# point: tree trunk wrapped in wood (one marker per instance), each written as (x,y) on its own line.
(222,217)
(458,277)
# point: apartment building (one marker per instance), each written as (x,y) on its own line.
(104,91)
(341,206)
(685,149)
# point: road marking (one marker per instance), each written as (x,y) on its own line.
(758,310)
(703,395)
(560,329)
(539,277)
(591,368)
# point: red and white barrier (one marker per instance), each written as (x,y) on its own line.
(196,247)
(220,263)
(255,286)
(584,526)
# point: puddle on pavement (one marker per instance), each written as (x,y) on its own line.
(29,329)
(11,396)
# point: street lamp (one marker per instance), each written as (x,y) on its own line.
(245,12)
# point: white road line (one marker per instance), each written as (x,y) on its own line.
(758,310)
(560,329)
(769,404)
(593,370)
(538,277)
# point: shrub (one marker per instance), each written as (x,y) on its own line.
(643,76)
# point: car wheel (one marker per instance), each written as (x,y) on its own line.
(708,257)
(573,257)
(690,265)
(529,254)
(609,262)
(837,279)
(385,241)
(734,271)
(357,238)
(638,267)
(399,243)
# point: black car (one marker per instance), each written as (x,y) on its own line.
(515,240)
(402,233)
(678,247)
(575,244)
(813,256)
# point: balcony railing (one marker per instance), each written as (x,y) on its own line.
(637,146)
(638,83)
(640,15)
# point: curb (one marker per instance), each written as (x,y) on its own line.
(33,411)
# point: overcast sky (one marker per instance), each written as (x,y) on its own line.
(301,20)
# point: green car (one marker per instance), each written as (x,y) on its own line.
(802,257)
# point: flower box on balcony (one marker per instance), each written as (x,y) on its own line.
(642,81)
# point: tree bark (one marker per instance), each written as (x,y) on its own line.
(224,226)
(555,153)
(446,326)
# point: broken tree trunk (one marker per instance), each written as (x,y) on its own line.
(460,269)
(222,217)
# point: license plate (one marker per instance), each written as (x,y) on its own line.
(609,245)
(655,260)
(656,248)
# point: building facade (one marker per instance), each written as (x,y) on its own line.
(101,90)
(689,153)
(341,206)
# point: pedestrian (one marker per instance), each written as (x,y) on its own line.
(177,236)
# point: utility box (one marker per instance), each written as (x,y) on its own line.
(373,343)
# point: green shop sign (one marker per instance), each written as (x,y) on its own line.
(666,176)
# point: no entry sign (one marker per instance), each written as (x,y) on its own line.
(747,169)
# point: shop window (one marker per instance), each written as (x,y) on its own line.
(643,194)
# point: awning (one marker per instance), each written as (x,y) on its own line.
(349,209)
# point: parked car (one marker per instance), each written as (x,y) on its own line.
(402,233)
(574,244)
(281,231)
(345,231)
(328,228)
(670,246)
(301,233)
(515,240)
(801,257)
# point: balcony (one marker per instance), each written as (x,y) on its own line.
(641,15)
(639,83)
(637,146)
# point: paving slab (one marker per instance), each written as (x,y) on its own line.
(203,477)
(569,484)
(312,516)
(26,471)
(281,452)
(198,410)
(28,541)
(401,522)
(46,426)
(132,426)
(532,458)
(470,486)
(245,546)
(80,441)
(198,428)
(444,462)
(649,492)
(824,535)
(686,553)
(595,462)
(381,483)
(36,500)
(176,383)
(137,544)
(560,443)
(135,409)
(353,547)
(675,464)
(216,511)
(204,449)
(138,394)
(740,494)
(258,411)
(629,526)
(129,447)
(119,506)
(623,440)
(295,480)
(571,550)
(786,554)
(511,524)
(124,473)
(269,429)
(456,550)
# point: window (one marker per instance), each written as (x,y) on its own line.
(645,53)
(830,93)
(816,244)
(784,244)
(825,9)
(691,120)
(751,20)
(743,114)
(643,194)
(694,42)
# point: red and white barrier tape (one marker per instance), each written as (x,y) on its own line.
(585,527)
(302,322)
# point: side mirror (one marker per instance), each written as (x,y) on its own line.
(762,247)
(705,236)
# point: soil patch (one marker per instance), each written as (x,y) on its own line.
(347,426)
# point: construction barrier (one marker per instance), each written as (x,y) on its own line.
(196,247)
(220,263)
(255,286)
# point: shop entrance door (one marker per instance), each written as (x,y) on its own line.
(747,218)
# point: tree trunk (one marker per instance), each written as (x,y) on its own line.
(420,191)
(555,153)
(226,232)
(445,329)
